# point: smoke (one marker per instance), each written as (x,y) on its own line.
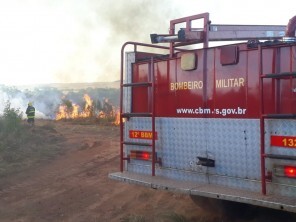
(47,100)
(63,41)
(103,28)
(67,41)
(18,101)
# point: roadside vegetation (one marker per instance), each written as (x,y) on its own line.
(21,146)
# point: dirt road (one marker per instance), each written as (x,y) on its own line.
(75,186)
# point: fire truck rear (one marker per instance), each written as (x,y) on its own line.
(212,121)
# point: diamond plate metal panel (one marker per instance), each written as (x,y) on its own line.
(283,127)
(130,59)
(286,127)
(234,144)
(228,141)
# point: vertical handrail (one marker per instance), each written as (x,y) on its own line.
(121,109)
(262,126)
(277,86)
(153,115)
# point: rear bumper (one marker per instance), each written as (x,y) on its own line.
(207,190)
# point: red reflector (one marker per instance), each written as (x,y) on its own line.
(290,171)
(146,156)
(140,155)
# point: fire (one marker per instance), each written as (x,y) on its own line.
(88,107)
(62,114)
(69,110)
(66,113)
(102,115)
(117,118)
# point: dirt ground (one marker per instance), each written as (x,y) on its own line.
(75,186)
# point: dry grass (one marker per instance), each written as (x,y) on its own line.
(29,146)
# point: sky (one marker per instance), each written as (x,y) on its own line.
(73,41)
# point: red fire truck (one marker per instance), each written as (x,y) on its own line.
(212,121)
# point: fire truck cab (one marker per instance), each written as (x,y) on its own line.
(213,121)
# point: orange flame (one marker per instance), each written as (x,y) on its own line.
(62,112)
(117,118)
(88,107)
(71,111)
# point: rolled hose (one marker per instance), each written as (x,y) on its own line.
(291,27)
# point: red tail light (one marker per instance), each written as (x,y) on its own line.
(285,171)
(290,171)
(140,155)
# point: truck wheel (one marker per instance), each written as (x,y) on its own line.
(291,27)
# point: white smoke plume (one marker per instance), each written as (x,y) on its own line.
(73,41)
(45,104)
(67,41)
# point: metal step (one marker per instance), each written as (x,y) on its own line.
(207,190)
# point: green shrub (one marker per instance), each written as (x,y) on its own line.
(10,121)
